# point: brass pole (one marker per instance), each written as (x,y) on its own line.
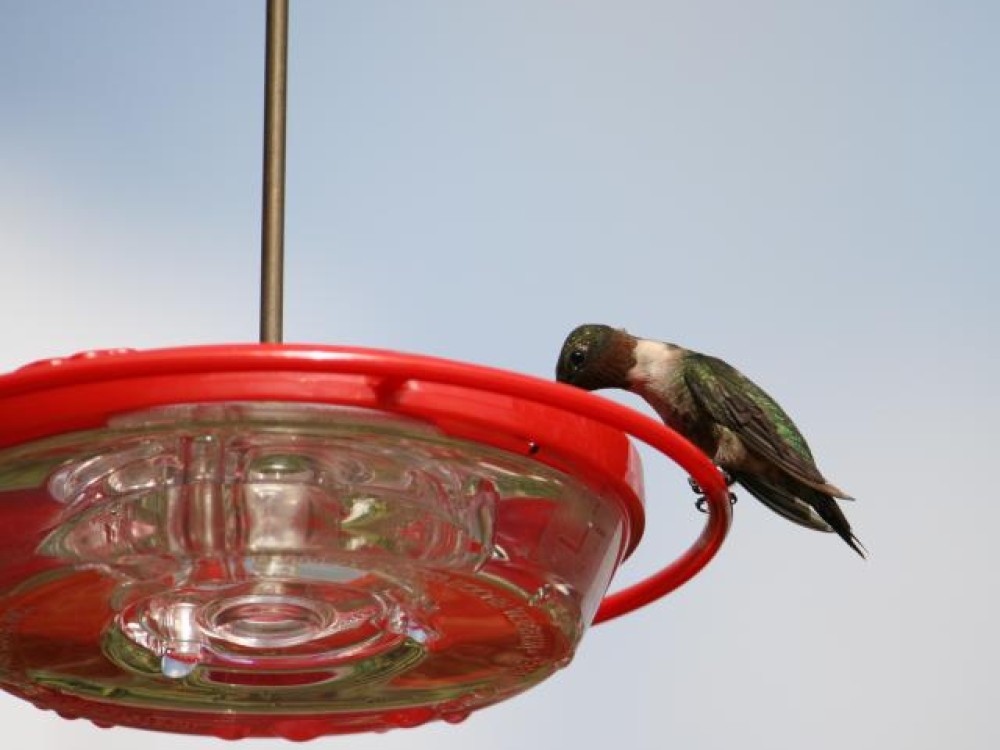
(273,216)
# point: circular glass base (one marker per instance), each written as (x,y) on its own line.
(289,569)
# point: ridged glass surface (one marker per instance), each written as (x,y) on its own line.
(289,559)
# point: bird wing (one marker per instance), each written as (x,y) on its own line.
(739,404)
(782,501)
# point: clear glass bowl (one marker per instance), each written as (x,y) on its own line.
(340,566)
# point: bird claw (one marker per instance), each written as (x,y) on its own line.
(726,476)
(702,502)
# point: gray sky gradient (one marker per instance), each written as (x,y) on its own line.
(806,189)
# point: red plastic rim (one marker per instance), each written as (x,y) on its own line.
(85,390)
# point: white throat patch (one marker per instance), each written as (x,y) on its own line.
(655,363)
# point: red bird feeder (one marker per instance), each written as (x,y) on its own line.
(291,541)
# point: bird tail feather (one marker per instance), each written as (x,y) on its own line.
(803,505)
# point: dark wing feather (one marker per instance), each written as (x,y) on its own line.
(782,501)
(804,505)
(736,402)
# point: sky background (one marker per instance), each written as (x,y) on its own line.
(809,190)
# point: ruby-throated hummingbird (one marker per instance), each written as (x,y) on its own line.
(721,411)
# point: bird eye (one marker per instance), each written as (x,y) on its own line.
(577,357)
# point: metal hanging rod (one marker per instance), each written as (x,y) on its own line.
(273,215)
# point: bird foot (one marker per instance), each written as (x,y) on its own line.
(702,502)
(727,478)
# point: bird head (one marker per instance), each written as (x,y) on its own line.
(596,356)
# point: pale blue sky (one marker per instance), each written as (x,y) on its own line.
(806,189)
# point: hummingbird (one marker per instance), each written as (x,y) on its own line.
(724,413)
